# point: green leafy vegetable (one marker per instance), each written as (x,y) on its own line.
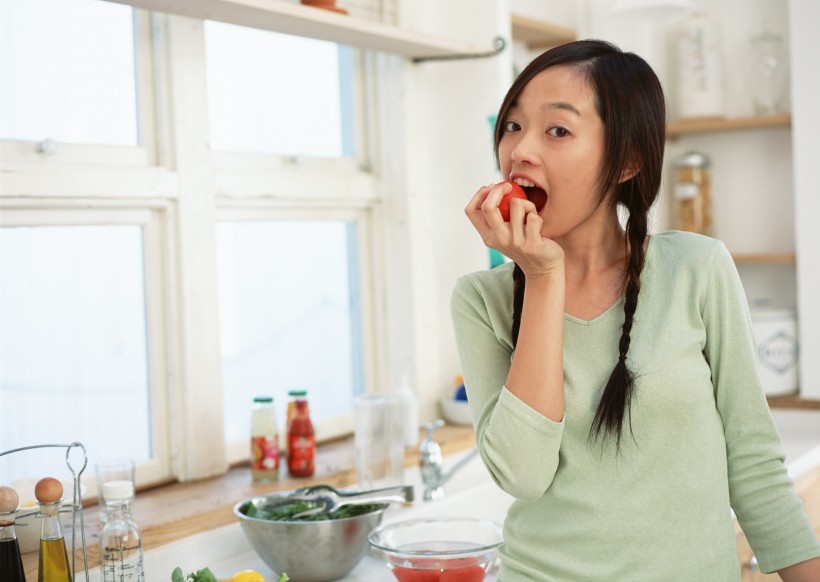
(286,511)
(283,578)
(204,575)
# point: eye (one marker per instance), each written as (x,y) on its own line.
(511,126)
(558,131)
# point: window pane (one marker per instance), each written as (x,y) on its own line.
(276,93)
(289,317)
(73,364)
(67,72)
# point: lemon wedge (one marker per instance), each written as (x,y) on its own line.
(247,576)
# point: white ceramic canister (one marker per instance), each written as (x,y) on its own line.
(778,349)
(700,68)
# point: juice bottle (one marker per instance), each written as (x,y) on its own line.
(301,442)
(264,441)
(292,396)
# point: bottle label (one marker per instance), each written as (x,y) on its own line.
(265,453)
(302,453)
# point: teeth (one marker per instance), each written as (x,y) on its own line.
(524,182)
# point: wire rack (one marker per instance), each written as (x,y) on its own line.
(75,507)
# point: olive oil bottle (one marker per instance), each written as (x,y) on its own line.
(53,554)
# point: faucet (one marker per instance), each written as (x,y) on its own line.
(431,463)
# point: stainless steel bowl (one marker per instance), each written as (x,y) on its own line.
(309,551)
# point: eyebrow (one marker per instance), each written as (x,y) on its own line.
(563,105)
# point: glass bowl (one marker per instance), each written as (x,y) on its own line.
(438,549)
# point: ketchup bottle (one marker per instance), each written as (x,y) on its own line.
(301,442)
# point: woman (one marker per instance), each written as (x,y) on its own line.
(612,375)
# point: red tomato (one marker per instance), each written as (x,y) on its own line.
(469,574)
(413,575)
(504,206)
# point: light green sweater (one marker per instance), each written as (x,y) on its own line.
(703,436)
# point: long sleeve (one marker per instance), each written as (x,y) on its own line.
(518,445)
(761,491)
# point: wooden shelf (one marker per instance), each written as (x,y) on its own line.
(793,402)
(764,258)
(307,21)
(715,124)
(537,34)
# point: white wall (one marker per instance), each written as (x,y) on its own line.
(805,50)
(449,155)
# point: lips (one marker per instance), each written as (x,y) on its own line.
(535,193)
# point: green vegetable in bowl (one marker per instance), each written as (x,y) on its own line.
(286,511)
(204,575)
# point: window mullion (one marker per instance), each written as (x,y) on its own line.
(197,453)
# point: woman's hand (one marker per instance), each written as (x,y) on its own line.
(520,239)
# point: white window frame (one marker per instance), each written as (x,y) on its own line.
(183,187)
(362,216)
(154,221)
(22,154)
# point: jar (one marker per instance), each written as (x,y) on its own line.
(264,440)
(778,349)
(767,73)
(700,68)
(692,190)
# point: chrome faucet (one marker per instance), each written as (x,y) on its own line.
(431,463)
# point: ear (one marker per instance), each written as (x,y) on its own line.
(629,172)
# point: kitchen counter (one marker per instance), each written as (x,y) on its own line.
(191,525)
(169,512)
(225,549)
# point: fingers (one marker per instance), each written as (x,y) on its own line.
(489,207)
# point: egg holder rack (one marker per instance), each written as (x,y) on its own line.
(76,505)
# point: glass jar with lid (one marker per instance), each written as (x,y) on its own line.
(692,191)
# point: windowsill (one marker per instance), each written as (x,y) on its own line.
(170,512)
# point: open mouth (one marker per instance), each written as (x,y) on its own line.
(535,194)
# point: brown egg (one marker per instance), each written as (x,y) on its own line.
(8,499)
(48,490)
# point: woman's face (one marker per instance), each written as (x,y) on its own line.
(554,140)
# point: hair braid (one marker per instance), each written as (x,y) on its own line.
(616,399)
(519,280)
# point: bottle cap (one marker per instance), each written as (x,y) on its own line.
(263,399)
(297,392)
(113,490)
(8,499)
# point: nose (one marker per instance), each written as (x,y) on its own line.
(525,150)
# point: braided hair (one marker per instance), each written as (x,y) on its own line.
(629,100)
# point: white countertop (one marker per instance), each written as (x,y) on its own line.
(225,550)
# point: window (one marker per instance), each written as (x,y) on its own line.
(120,282)
(69,92)
(278,94)
(74,352)
(290,317)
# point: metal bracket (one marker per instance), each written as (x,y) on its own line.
(499,43)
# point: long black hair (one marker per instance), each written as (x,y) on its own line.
(630,102)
